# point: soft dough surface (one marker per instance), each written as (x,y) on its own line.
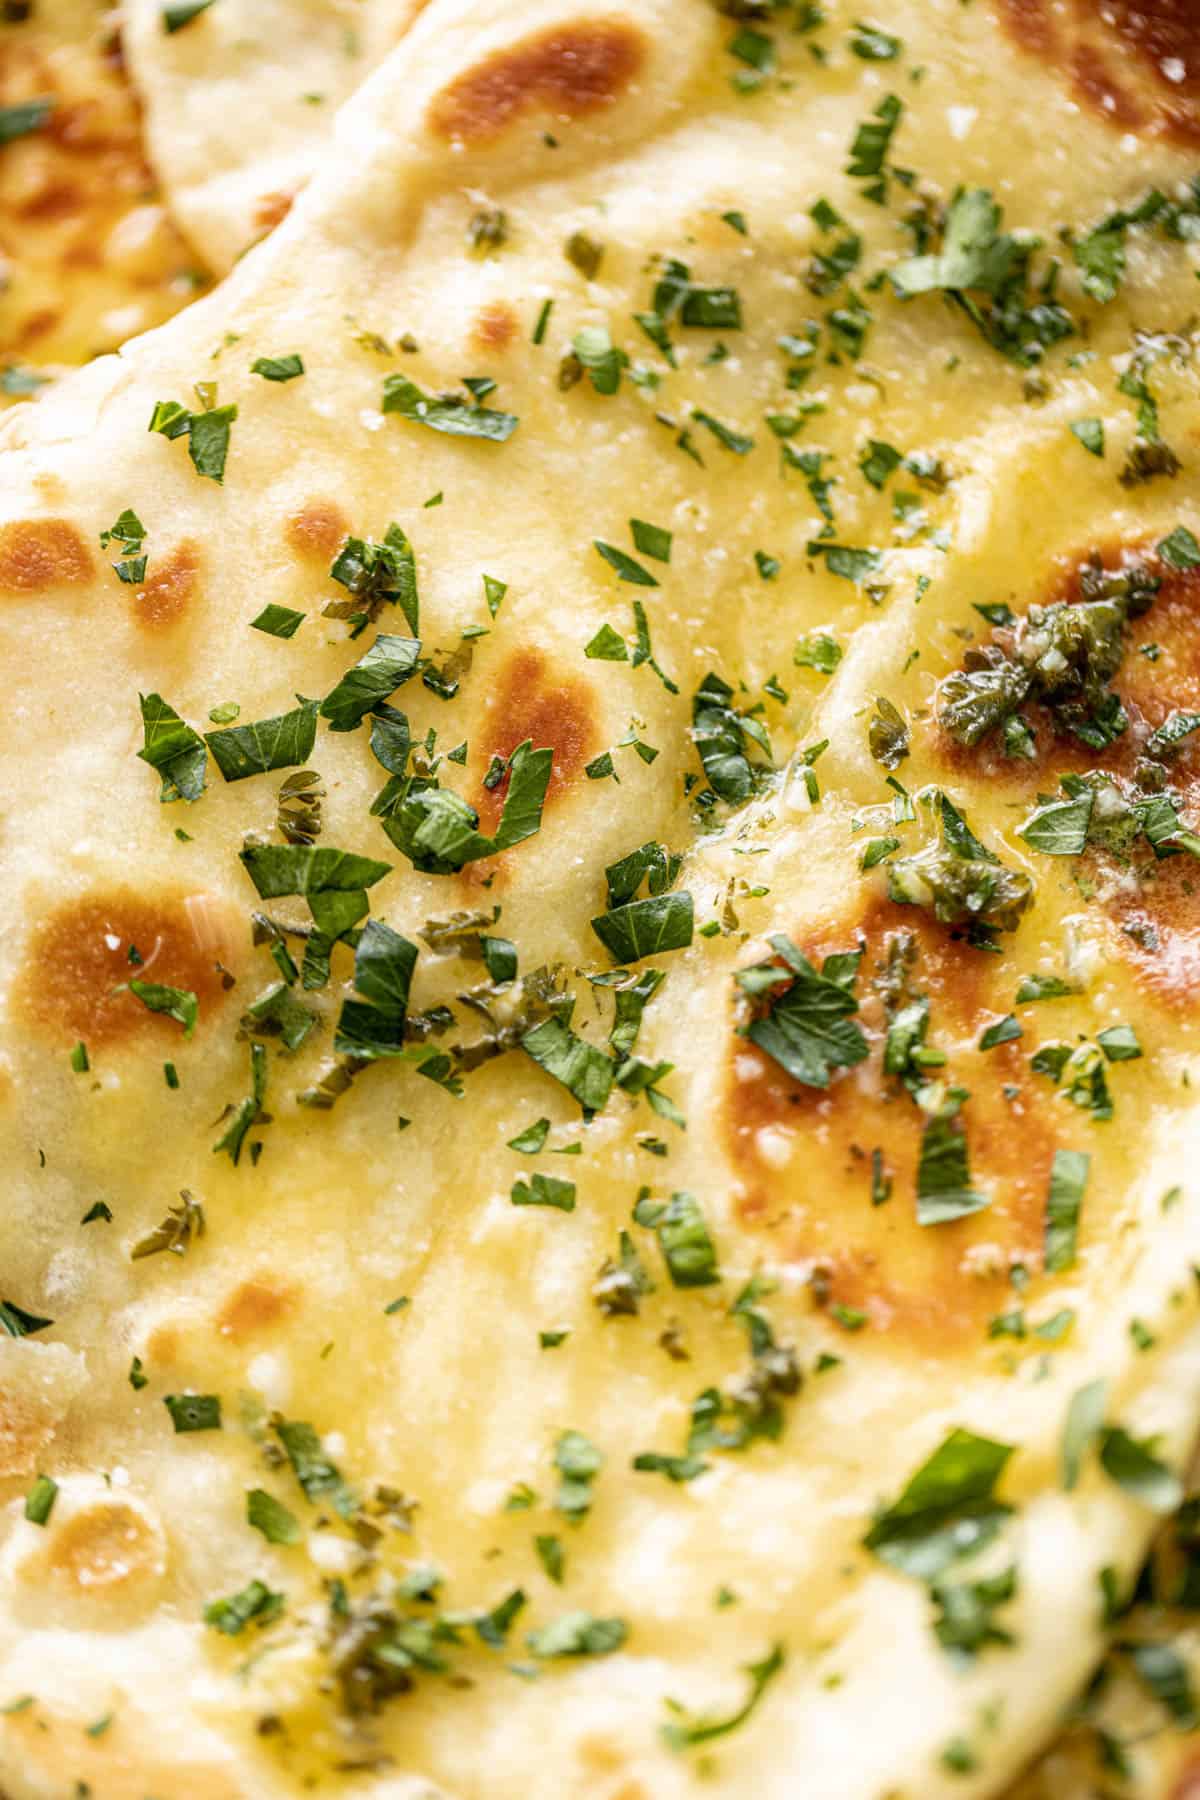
(380,1284)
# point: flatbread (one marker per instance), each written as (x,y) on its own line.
(90,256)
(403,1293)
(239,103)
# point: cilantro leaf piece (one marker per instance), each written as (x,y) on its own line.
(194,1412)
(817,651)
(873,44)
(16,1322)
(128,531)
(684,1731)
(851,562)
(208,441)
(648,927)
(177,1003)
(965,1621)
(947,1510)
(439,832)
(974,253)
(1090,433)
(1043,987)
(651,540)
(734,441)
(16,380)
(175,1233)
(39,1501)
(1180,549)
(607,646)
(278,621)
(578,1634)
(376,575)
(278,368)
(387,665)
(1081,1429)
(373,1026)
(26,116)
(879,461)
(809,1028)
(544,1190)
(1100,258)
(280,743)
(457,416)
(959,879)
(270,1516)
(685,1242)
(872,140)
(578,1461)
(532,1140)
(650,863)
(1132,1463)
(1068,1179)
(207,433)
(1060,827)
(595,351)
(1162,1670)
(944,1190)
(182,12)
(586,1072)
(1004,1031)
(279,869)
(676,1468)
(248,1111)
(256,1602)
(1119,1043)
(173,749)
(627,568)
(317,1474)
(720,734)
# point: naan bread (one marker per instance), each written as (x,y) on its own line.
(922,1449)
(239,102)
(88,254)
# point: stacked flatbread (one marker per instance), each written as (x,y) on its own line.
(600,804)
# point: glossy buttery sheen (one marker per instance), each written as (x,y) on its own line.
(620,121)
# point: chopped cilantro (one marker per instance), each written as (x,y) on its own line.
(1068,1179)
(194,1412)
(173,749)
(684,1731)
(808,1029)
(1090,433)
(647,927)
(278,368)
(456,415)
(944,1190)
(626,567)
(584,1071)
(544,1190)
(27,116)
(578,1634)
(317,1474)
(39,1501)
(280,743)
(873,44)
(387,665)
(255,1603)
(947,1511)
(278,621)
(651,540)
(687,1247)
(271,1517)
(175,16)
(177,1003)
